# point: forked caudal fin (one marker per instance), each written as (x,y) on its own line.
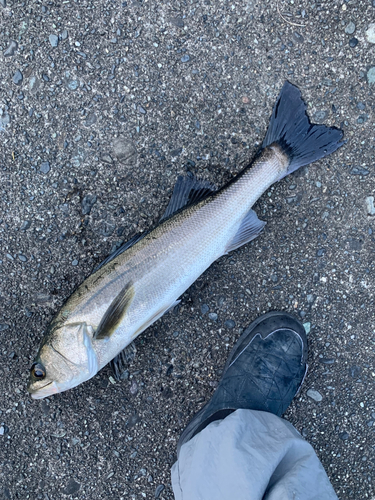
(290,127)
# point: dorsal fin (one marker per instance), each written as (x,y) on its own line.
(121,249)
(188,190)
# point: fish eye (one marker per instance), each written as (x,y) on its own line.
(38,371)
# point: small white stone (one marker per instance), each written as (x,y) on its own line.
(370,205)
(315,395)
(307,327)
(370,33)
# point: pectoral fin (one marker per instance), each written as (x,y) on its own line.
(115,313)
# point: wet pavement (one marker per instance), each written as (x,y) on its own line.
(102,106)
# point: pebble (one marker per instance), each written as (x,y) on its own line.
(34,84)
(230,323)
(350,28)
(106,159)
(91,119)
(185,58)
(135,418)
(320,252)
(54,40)
(45,167)
(87,203)
(17,77)
(158,490)
(371,75)
(11,50)
(362,119)
(177,21)
(71,488)
(75,262)
(359,171)
(355,371)
(124,149)
(370,33)
(64,35)
(134,388)
(320,116)
(307,327)
(25,225)
(315,395)
(4,429)
(353,42)
(344,436)
(213,316)
(327,361)
(4,119)
(370,205)
(22,258)
(70,83)
(298,37)
(204,308)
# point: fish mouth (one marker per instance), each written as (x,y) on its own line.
(41,392)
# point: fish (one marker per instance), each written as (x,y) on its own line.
(145,277)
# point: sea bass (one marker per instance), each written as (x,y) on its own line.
(144,278)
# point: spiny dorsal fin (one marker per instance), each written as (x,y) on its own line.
(250,228)
(188,190)
(121,249)
(115,312)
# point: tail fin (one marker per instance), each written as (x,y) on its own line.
(291,129)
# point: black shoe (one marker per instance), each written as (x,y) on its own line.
(264,371)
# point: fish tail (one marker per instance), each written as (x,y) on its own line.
(290,127)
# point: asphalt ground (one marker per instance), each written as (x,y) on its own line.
(103,105)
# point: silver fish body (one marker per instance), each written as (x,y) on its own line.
(122,298)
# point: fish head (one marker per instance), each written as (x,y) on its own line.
(65,359)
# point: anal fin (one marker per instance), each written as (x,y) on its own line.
(250,228)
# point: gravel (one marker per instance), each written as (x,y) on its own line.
(124,99)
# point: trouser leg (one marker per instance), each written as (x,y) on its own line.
(250,455)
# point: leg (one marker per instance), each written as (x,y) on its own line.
(249,455)
(236,447)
